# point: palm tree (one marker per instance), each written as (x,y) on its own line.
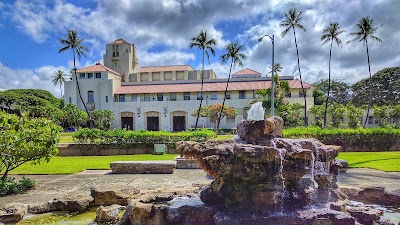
(202,42)
(277,68)
(330,33)
(71,41)
(233,52)
(59,77)
(292,22)
(365,30)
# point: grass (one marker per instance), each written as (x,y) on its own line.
(66,138)
(76,164)
(384,161)
(224,137)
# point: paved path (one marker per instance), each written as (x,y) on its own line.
(51,186)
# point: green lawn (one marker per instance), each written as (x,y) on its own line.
(66,138)
(75,164)
(384,161)
(224,137)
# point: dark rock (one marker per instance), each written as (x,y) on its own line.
(342,165)
(72,203)
(108,213)
(392,196)
(351,192)
(108,195)
(156,197)
(42,207)
(364,215)
(143,167)
(331,216)
(371,193)
(13,212)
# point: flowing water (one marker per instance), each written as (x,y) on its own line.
(256,112)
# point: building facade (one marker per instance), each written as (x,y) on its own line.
(164,97)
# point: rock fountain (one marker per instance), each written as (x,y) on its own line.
(259,178)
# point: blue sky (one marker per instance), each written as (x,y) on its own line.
(161,30)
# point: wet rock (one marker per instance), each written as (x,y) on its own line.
(338,206)
(143,167)
(364,215)
(369,193)
(392,196)
(351,192)
(108,213)
(330,216)
(13,212)
(342,165)
(156,197)
(108,195)
(73,203)
(41,207)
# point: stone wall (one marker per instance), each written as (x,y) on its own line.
(90,150)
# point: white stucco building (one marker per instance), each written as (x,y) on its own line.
(163,97)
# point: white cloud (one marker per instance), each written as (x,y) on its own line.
(39,78)
(164,58)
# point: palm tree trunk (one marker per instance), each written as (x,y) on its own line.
(201,92)
(301,80)
(61,91)
(329,86)
(79,89)
(370,86)
(223,102)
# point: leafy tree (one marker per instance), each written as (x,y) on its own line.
(291,114)
(277,69)
(365,30)
(7,99)
(340,91)
(382,114)
(215,112)
(291,21)
(71,41)
(26,140)
(71,116)
(318,111)
(234,53)
(102,118)
(385,89)
(354,114)
(330,33)
(59,78)
(205,44)
(396,114)
(336,111)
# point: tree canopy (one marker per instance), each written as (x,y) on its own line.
(340,92)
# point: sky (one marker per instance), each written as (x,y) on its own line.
(162,29)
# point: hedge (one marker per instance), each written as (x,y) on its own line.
(371,139)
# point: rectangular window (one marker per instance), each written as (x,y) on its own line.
(90,96)
(134,97)
(90,75)
(82,76)
(186,95)
(200,96)
(160,96)
(370,120)
(288,95)
(230,120)
(98,75)
(147,97)
(242,94)
(106,98)
(302,94)
(254,94)
(70,100)
(121,98)
(172,96)
(228,95)
(214,95)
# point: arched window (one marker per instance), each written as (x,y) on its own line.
(90,96)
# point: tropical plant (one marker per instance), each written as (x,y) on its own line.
(59,77)
(382,114)
(365,30)
(234,53)
(291,21)
(71,116)
(340,91)
(291,114)
(330,33)
(71,41)
(215,112)
(354,114)
(336,112)
(102,118)
(205,44)
(277,69)
(318,111)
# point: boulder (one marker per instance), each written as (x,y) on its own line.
(371,193)
(351,192)
(364,215)
(108,195)
(73,203)
(156,197)
(41,207)
(108,213)
(143,167)
(342,165)
(392,196)
(13,212)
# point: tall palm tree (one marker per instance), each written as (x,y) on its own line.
(205,44)
(71,41)
(233,52)
(292,22)
(59,77)
(330,33)
(277,68)
(365,30)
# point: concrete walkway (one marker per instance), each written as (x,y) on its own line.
(51,186)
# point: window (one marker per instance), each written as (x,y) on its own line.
(90,96)
(200,96)
(70,100)
(147,97)
(254,94)
(134,97)
(230,120)
(288,95)
(302,94)
(172,96)
(90,75)
(242,94)
(121,98)
(186,95)
(160,96)
(98,75)
(82,76)
(214,95)
(106,98)
(228,95)
(370,120)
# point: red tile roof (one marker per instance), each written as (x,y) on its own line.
(119,41)
(192,87)
(246,71)
(165,68)
(96,68)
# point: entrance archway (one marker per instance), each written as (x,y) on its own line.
(153,121)
(127,120)
(179,120)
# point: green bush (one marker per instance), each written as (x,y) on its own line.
(10,186)
(371,138)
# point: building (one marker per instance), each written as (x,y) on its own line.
(163,97)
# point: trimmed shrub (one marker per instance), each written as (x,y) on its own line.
(10,186)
